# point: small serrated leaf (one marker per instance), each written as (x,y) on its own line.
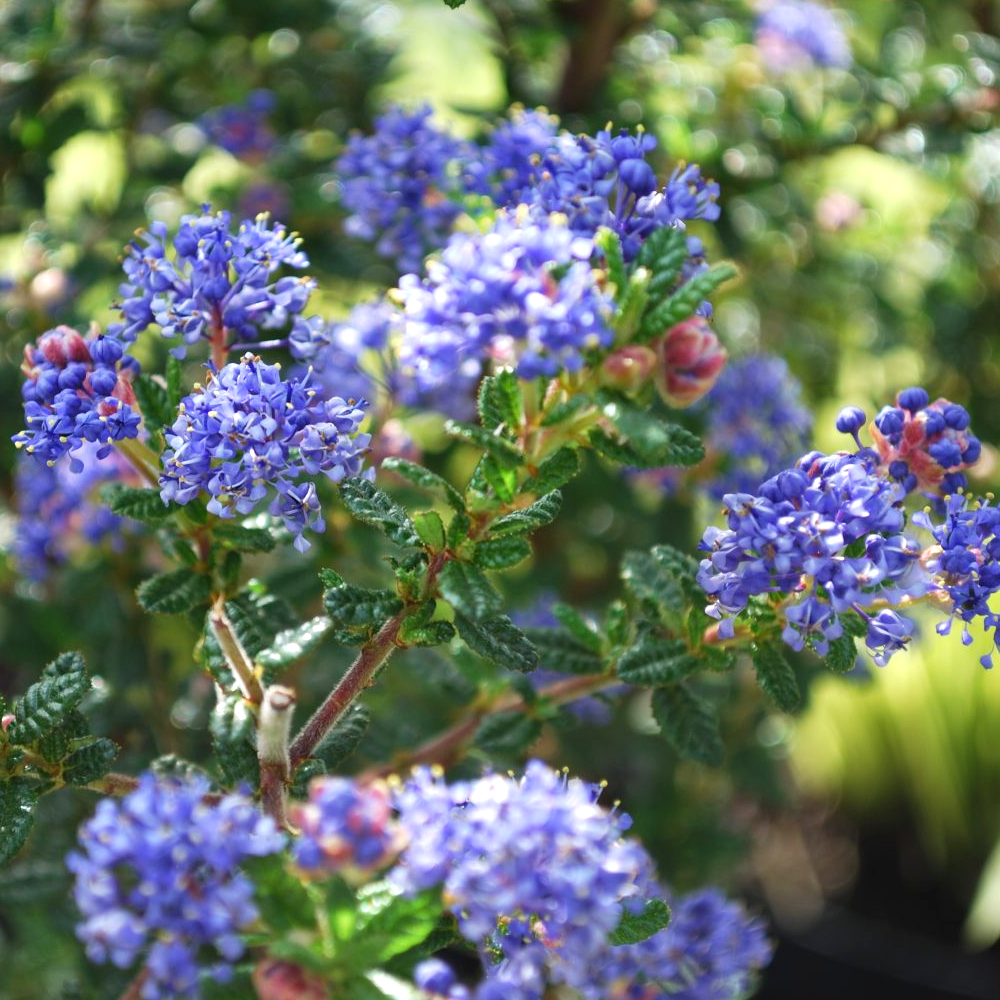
(90,762)
(499,553)
(153,401)
(430,528)
(500,402)
(48,703)
(578,626)
(426,479)
(352,607)
(636,927)
(174,381)
(292,644)
(688,723)
(648,579)
(776,677)
(505,452)
(842,655)
(174,592)
(344,738)
(559,651)
(683,302)
(233,739)
(528,519)
(555,471)
(468,591)
(656,661)
(235,536)
(17,802)
(500,641)
(139,504)
(372,506)
(508,733)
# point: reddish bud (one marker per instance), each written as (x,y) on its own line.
(274,979)
(629,368)
(689,360)
(62,345)
(6,721)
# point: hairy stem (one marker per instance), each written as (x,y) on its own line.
(235,655)
(134,989)
(272,750)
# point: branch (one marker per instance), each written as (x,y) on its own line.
(235,655)
(272,750)
(134,989)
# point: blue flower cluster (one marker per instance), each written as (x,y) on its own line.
(506,167)
(76,390)
(536,872)
(246,431)
(158,872)
(824,537)
(712,950)
(217,285)
(402,185)
(925,445)
(345,827)
(966,561)
(57,511)
(524,291)
(242,129)
(792,33)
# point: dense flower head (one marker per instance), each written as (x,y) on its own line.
(523,292)
(507,164)
(247,432)
(792,33)
(965,561)
(756,424)
(536,872)
(158,874)
(76,390)
(712,950)
(242,129)
(825,537)
(402,185)
(214,282)
(344,827)
(925,445)
(605,181)
(58,512)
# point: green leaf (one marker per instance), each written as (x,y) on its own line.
(91,761)
(390,923)
(664,254)
(581,628)
(344,738)
(565,409)
(174,592)
(454,4)
(175,376)
(47,704)
(616,623)
(426,479)
(235,536)
(500,641)
(610,244)
(154,402)
(369,504)
(656,661)
(431,634)
(557,470)
(351,606)
(507,733)
(330,578)
(293,643)
(501,479)
(562,653)
(688,723)
(648,579)
(636,927)
(504,451)
(500,402)
(458,529)
(499,553)
(468,591)
(683,302)
(430,528)
(528,519)
(776,677)
(284,902)
(139,504)
(842,655)
(17,800)
(234,740)
(649,441)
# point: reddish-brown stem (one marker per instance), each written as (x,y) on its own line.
(114,783)
(447,747)
(220,349)
(134,989)
(240,664)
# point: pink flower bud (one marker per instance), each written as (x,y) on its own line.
(62,345)
(689,360)
(6,721)
(274,979)
(628,368)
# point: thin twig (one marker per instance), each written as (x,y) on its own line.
(235,655)
(134,989)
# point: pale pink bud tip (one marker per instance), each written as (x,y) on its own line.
(689,361)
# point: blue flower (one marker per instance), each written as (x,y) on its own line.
(247,432)
(792,33)
(507,165)
(158,874)
(217,285)
(536,872)
(402,185)
(76,390)
(520,292)
(242,129)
